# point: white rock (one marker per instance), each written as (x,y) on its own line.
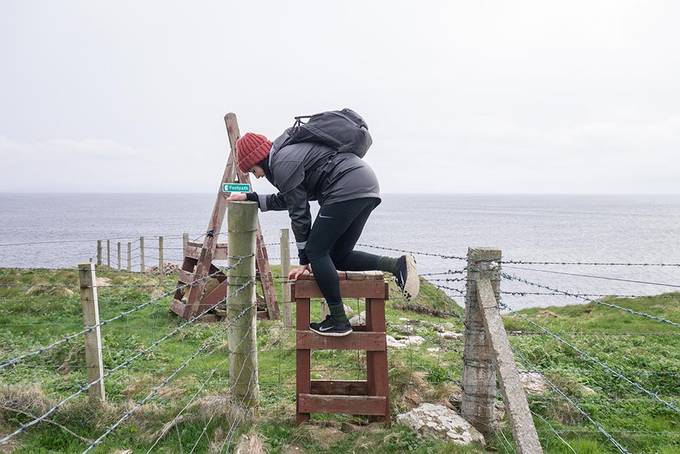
(450,335)
(392,342)
(533,382)
(434,349)
(413,340)
(359,319)
(348,310)
(440,422)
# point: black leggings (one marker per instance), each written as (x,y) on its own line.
(330,245)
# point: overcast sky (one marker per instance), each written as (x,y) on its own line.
(460,96)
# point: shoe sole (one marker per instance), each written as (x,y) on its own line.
(329,334)
(412,284)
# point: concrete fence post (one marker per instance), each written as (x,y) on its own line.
(161,267)
(118,248)
(141,254)
(99,252)
(241,306)
(129,256)
(93,337)
(285,269)
(108,253)
(479,371)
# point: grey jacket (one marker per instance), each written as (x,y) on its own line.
(309,171)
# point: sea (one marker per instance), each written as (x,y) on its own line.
(637,232)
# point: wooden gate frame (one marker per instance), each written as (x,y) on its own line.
(201,255)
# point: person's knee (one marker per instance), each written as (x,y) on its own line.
(315,252)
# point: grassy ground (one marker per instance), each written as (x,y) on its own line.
(39,306)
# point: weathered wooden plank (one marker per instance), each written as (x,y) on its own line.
(193,250)
(353,405)
(355,341)
(185,277)
(376,361)
(302,358)
(340,387)
(348,289)
(517,407)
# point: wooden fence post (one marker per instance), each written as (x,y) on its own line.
(141,254)
(185,243)
(108,253)
(118,244)
(161,267)
(479,372)
(285,268)
(129,257)
(93,338)
(241,306)
(99,252)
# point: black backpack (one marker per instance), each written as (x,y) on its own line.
(343,130)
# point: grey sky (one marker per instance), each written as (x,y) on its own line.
(487,96)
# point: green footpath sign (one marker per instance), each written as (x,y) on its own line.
(235,187)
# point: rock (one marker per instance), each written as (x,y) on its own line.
(434,349)
(449,335)
(402,343)
(359,319)
(250,444)
(440,422)
(533,382)
(348,310)
(103,282)
(404,329)
(444,327)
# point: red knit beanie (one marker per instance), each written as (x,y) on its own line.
(251,149)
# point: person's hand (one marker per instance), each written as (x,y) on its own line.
(299,271)
(236,197)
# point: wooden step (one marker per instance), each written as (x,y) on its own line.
(353,405)
(193,250)
(369,341)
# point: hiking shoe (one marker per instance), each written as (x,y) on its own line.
(330,327)
(315,326)
(407,276)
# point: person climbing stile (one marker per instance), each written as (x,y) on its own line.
(321,160)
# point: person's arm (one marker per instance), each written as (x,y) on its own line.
(268,202)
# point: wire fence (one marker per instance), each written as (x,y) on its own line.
(521,287)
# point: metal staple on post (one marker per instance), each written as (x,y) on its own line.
(242,331)
(285,268)
(93,338)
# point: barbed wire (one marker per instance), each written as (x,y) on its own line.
(599,362)
(601,303)
(84,388)
(594,276)
(547,262)
(169,378)
(597,425)
(88,329)
(431,254)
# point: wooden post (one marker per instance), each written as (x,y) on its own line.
(129,257)
(517,407)
(241,307)
(479,372)
(161,267)
(285,268)
(118,244)
(108,253)
(93,338)
(99,252)
(185,243)
(141,254)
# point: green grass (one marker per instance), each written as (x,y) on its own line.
(39,306)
